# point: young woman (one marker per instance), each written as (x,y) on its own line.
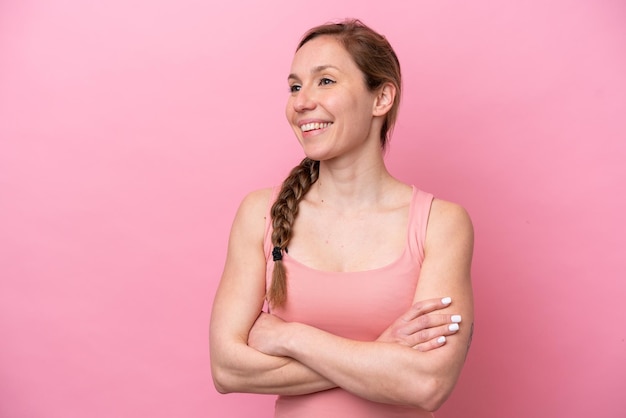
(345,291)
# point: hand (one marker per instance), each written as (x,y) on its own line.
(420,329)
(265,334)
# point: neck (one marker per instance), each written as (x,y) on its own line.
(353,185)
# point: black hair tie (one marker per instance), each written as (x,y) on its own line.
(277,254)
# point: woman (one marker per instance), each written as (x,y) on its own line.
(359,272)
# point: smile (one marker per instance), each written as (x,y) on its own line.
(313,126)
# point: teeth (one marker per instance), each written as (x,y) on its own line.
(312,126)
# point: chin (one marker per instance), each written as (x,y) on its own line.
(316,155)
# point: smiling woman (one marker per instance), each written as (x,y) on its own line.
(365,280)
(333,96)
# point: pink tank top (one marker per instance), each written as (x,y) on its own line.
(356,305)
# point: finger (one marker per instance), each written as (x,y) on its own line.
(429,321)
(426,306)
(431,344)
(427,336)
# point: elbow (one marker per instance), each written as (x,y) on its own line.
(220,387)
(433,394)
(433,404)
(222,380)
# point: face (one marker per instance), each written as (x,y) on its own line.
(330,108)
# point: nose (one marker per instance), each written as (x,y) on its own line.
(303,100)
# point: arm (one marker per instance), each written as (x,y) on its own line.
(235,366)
(403,375)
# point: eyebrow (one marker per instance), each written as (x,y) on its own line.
(315,70)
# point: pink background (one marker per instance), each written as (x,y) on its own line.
(130,131)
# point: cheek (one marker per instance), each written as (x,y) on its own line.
(289,115)
(338,103)
(359,111)
(288,110)
(355,105)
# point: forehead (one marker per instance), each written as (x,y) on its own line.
(322,51)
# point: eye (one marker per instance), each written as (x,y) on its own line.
(326,81)
(294,88)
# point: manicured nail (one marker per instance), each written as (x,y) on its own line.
(453,327)
(441,340)
(456,318)
(446,300)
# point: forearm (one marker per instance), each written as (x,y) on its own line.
(241,368)
(378,371)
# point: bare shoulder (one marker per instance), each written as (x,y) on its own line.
(245,258)
(449,222)
(256,201)
(250,218)
(255,204)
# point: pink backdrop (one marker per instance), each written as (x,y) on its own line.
(130,130)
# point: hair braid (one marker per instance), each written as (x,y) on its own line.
(283,213)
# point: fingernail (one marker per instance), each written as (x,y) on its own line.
(441,340)
(446,300)
(453,327)
(456,318)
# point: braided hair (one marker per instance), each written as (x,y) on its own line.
(283,213)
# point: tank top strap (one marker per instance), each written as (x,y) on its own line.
(418,221)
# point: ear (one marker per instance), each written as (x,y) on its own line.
(384,99)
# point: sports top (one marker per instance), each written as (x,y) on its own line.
(356,305)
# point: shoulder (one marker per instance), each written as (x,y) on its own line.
(256,201)
(252,212)
(448,223)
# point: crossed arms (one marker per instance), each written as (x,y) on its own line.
(257,352)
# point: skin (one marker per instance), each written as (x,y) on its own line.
(355,205)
